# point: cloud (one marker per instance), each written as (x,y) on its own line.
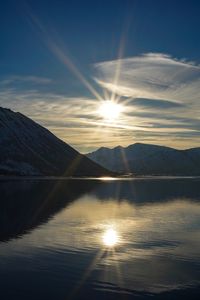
(16,79)
(73,119)
(153,76)
(155,103)
(160,96)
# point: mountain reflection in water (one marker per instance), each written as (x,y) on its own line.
(79,239)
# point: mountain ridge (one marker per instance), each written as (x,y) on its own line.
(149,159)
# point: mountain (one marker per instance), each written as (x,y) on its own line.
(26,148)
(144,159)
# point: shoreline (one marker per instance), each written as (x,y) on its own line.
(103,178)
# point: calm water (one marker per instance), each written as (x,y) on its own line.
(91,239)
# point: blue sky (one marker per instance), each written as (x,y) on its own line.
(54,54)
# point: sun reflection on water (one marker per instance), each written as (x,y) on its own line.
(107,178)
(110,238)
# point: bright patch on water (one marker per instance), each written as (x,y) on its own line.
(110,237)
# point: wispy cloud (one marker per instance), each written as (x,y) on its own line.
(160,94)
(156,103)
(74,119)
(154,76)
(16,79)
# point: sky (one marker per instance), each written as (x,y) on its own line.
(61,60)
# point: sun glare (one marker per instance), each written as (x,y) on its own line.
(110,238)
(109,110)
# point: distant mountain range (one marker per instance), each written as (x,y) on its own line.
(144,159)
(26,148)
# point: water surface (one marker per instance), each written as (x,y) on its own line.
(92,239)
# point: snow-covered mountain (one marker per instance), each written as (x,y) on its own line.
(26,148)
(144,159)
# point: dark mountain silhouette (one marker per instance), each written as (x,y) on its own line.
(144,159)
(26,148)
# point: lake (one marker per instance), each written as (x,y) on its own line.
(100,239)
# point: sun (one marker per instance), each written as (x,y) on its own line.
(110,110)
(110,238)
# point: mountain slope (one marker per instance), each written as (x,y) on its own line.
(144,159)
(26,148)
